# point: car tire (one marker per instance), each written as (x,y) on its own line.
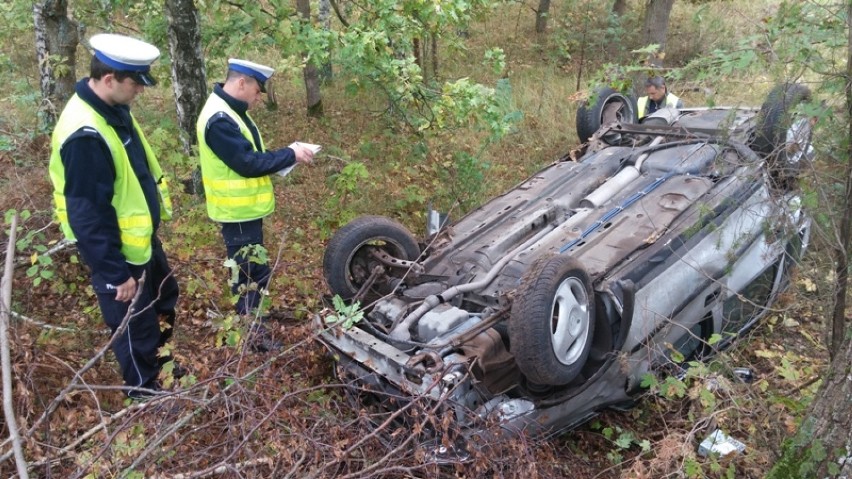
(347,263)
(552,323)
(783,136)
(609,106)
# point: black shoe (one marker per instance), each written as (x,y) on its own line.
(281,316)
(260,340)
(146,392)
(178,369)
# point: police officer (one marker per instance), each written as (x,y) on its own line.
(235,168)
(110,195)
(657,96)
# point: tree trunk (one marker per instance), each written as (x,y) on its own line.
(657,13)
(619,8)
(418,56)
(839,328)
(823,445)
(541,16)
(189,78)
(324,18)
(434,38)
(312,83)
(56,36)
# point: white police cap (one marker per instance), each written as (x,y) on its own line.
(126,54)
(259,72)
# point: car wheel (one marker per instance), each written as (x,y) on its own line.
(553,320)
(781,134)
(609,106)
(349,258)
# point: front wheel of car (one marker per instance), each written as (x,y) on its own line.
(553,321)
(352,256)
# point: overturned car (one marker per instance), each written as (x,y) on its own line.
(553,300)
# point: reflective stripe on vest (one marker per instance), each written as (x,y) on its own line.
(134,219)
(230,197)
(642,103)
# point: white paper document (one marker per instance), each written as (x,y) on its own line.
(310,146)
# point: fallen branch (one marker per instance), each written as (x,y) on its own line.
(5,357)
(61,245)
(91,363)
(106,421)
(221,469)
(41,324)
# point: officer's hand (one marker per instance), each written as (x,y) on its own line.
(304,155)
(126,290)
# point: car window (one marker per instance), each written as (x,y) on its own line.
(739,310)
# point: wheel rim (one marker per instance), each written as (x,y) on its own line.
(360,263)
(569,321)
(615,109)
(798,141)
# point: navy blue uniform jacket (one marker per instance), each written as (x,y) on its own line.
(223,136)
(89,180)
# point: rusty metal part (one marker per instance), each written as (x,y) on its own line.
(422,357)
(377,271)
(394,262)
(485,324)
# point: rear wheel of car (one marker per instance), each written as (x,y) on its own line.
(782,134)
(553,321)
(350,257)
(609,106)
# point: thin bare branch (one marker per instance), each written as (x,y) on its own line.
(5,356)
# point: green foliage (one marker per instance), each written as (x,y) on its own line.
(253,253)
(622,441)
(376,50)
(35,243)
(347,315)
(803,455)
(228,331)
(588,31)
(341,205)
(163,139)
(413,198)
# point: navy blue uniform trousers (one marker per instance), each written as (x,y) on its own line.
(136,349)
(237,236)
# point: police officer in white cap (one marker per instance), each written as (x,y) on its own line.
(235,168)
(110,196)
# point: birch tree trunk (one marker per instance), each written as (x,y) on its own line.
(311,74)
(189,77)
(56,40)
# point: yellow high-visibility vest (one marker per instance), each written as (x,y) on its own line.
(642,103)
(134,219)
(230,197)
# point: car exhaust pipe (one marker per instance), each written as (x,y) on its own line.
(402,331)
(618,182)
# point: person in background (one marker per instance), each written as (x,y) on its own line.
(110,196)
(235,169)
(657,96)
